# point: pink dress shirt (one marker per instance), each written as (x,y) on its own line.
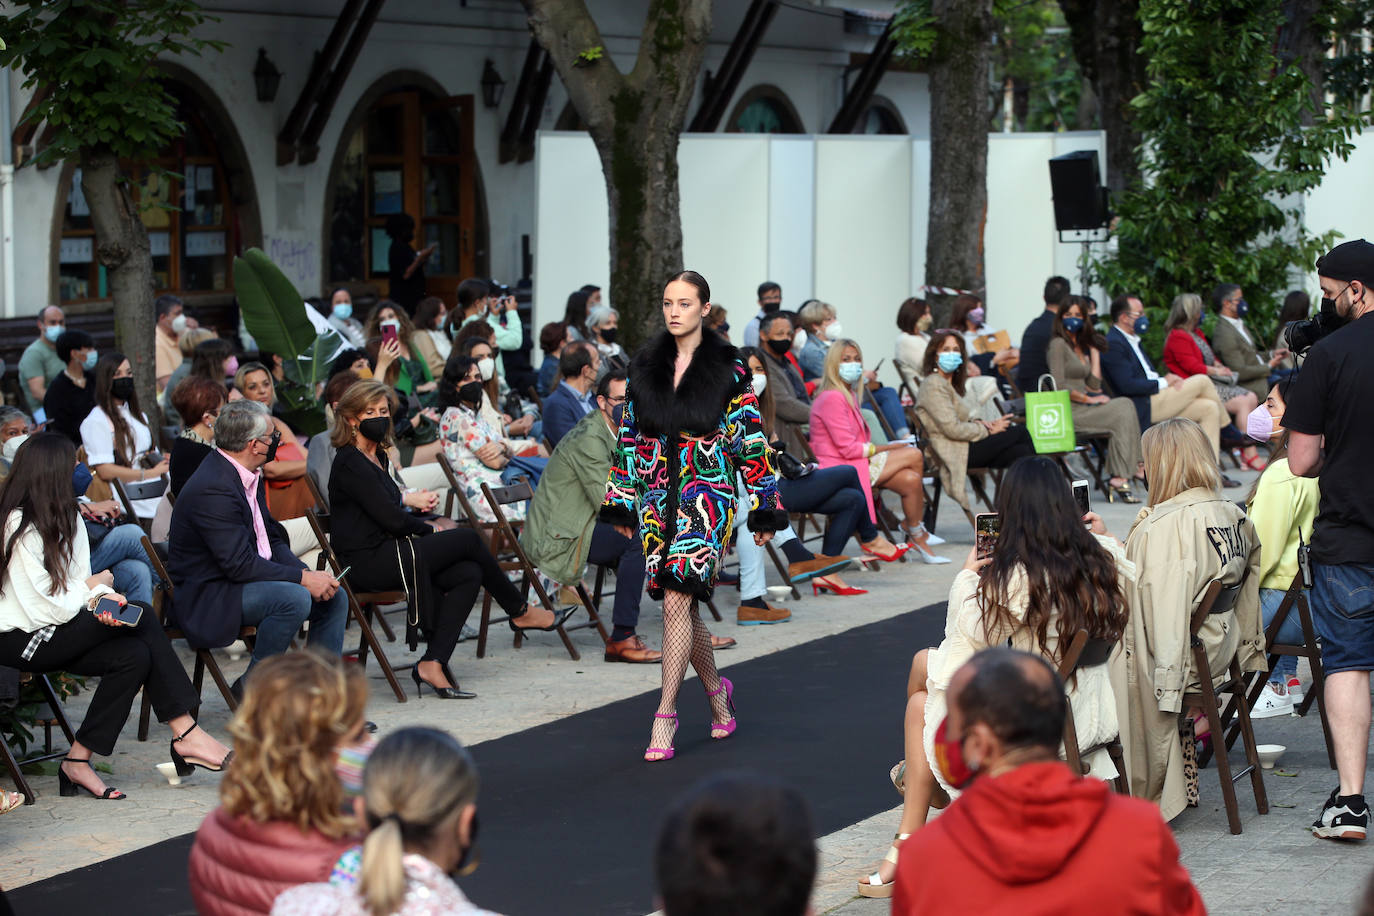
(250,479)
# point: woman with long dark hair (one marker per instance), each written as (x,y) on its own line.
(48,622)
(1047,578)
(691,424)
(214,359)
(575,315)
(119,444)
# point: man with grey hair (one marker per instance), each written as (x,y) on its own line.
(231,562)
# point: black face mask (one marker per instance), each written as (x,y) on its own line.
(470,392)
(608,334)
(122,388)
(272,447)
(771,307)
(375,429)
(779,347)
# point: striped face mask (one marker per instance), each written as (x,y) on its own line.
(349,764)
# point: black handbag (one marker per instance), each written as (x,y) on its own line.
(790,468)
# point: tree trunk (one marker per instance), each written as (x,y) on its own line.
(635,120)
(1300,43)
(959,121)
(1106,43)
(123,251)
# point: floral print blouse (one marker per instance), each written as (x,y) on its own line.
(463,432)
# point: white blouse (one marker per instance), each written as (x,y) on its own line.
(26,604)
(97,435)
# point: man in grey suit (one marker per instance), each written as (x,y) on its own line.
(1234,346)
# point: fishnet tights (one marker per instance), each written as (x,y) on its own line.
(685,638)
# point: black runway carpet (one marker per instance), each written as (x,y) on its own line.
(570,809)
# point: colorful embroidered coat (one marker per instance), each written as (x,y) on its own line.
(679,449)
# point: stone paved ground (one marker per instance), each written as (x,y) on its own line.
(1273,864)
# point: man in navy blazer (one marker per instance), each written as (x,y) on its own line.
(231,562)
(572,399)
(1129,373)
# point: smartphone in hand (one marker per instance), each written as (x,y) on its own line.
(986,527)
(125,613)
(390,332)
(1080,496)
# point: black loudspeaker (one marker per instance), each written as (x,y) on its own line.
(1080,201)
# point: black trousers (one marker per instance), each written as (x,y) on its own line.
(1001,449)
(124,658)
(459,565)
(608,548)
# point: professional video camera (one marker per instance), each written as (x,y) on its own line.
(1301,335)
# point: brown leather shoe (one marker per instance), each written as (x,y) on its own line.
(820,565)
(748,616)
(633,651)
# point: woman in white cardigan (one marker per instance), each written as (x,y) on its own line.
(1079,583)
(48,623)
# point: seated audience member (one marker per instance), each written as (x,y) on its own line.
(1297,306)
(430,342)
(987,347)
(231,561)
(1235,346)
(1187,518)
(353,361)
(791,401)
(69,397)
(14,430)
(839,435)
(48,622)
(1035,341)
(604,323)
(215,361)
(575,315)
(420,811)
(1128,372)
(962,441)
(552,338)
(407,373)
(283,818)
(834,492)
(1047,578)
(287,493)
(1283,509)
(913,327)
(376,532)
(321,459)
(481,350)
(573,399)
(199,401)
(770,301)
(340,317)
(562,533)
(735,845)
(500,313)
(1029,834)
(477,451)
(119,445)
(822,329)
(718,320)
(187,344)
(39,364)
(1074,362)
(1187,353)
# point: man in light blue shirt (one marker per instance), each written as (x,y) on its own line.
(573,399)
(770,300)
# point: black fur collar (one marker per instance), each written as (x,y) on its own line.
(708,385)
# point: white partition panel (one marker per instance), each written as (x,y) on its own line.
(1019,236)
(725,217)
(1343,202)
(863,236)
(920,208)
(791,218)
(572,223)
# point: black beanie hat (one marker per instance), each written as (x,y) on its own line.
(1349,261)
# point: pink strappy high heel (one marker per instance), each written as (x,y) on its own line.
(728,727)
(668,751)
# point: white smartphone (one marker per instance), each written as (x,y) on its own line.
(1080,496)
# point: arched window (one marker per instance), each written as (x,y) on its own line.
(409,152)
(764,110)
(184,198)
(881,117)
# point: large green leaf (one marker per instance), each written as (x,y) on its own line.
(273,310)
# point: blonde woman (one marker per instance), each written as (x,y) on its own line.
(1188,535)
(281,819)
(288,496)
(839,435)
(420,802)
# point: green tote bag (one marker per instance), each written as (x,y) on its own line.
(1049,417)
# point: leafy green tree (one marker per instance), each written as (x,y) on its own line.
(1224,159)
(92,65)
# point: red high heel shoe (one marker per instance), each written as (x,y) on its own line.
(822,584)
(886,557)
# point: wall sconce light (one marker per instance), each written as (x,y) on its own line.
(266,77)
(492,86)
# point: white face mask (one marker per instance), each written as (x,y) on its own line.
(760,383)
(487,366)
(799,339)
(179,324)
(12,445)
(833,331)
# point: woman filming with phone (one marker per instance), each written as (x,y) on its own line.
(55,616)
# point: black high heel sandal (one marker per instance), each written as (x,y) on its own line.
(559,618)
(185,767)
(443,693)
(66,786)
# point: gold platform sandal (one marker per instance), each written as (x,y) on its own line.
(873,885)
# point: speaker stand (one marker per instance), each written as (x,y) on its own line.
(1087,238)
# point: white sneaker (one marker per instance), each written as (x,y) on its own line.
(1295,690)
(1273,701)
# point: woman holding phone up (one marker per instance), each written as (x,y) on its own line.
(50,620)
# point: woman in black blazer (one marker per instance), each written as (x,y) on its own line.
(387,546)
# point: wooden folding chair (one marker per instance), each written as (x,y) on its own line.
(519,562)
(15,765)
(121,494)
(363,607)
(1219,599)
(372,610)
(1294,598)
(470,517)
(205,658)
(1082,653)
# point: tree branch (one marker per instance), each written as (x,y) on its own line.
(566,29)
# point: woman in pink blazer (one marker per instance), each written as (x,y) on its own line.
(839,435)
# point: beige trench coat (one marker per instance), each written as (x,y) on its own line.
(950,427)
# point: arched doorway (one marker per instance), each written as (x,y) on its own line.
(201,208)
(881,117)
(765,109)
(406,148)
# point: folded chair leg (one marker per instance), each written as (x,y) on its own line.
(591,609)
(482,627)
(16,774)
(145,714)
(205,661)
(369,639)
(711,606)
(1219,755)
(1247,732)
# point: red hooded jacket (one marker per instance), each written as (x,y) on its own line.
(1039,840)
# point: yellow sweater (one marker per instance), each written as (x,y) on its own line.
(1283,507)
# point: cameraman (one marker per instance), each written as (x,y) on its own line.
(1329,404)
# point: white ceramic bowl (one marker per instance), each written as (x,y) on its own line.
(1269,754)
(779,592)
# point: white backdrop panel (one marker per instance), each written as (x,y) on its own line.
(572,223)
(791,218)
(724,187)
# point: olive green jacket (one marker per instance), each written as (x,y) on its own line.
(558,526)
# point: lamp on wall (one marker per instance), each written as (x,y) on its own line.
(266,77)
(492,86)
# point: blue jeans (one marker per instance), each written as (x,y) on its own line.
(120,551)
(835,493)
(278,609)
(752,582)
(1289,634)
(890,403)
(1343,610)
